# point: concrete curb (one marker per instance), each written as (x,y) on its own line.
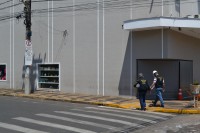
(133,105)
(177,111)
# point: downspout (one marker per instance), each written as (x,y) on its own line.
(162,42)
(131,16)
(162,31)
(103,46)
(98,28)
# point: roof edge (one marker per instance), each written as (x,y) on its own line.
(159,22)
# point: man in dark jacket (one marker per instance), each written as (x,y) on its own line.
(142,86)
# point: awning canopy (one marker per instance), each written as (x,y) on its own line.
(189,26)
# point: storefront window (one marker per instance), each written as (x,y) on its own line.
(2,72)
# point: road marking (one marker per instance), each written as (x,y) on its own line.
(163,114)
(19,128)
(129,112)
(100,118)
(77,121)
(53,125)
(118,115)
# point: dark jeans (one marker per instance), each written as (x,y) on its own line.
(142,98)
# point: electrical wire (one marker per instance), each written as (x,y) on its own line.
(10,6)
(108,5)
(5,2)
(117,4)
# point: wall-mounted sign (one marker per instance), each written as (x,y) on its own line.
(28,52)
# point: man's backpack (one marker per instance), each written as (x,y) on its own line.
(144,86)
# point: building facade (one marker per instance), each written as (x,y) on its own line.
(85,41)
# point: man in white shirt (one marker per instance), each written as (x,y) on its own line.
(159,85)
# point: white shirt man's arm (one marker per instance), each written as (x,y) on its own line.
(153,84)
(163,85)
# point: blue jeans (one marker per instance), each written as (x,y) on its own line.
(142,98)
(159,92)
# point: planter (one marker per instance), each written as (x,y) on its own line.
(195,89)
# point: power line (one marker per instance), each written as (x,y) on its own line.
(47,0)
(117,3)
(5,2)
(89,6)
(108,2)
(109,5)
(10,6)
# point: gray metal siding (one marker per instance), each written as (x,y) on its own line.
(77,51)
(184,47)
(186,77)
(177,75)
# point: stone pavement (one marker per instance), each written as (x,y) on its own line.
(171,106)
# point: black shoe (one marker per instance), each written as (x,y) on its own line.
(153,104)
(162,106)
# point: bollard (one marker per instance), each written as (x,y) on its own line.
(180,95)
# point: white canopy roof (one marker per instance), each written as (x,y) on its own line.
(189,26)
(161,22)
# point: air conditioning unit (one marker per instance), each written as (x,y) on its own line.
(196,16)
(190,16)
(193,16)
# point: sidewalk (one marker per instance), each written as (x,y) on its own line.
(171,106)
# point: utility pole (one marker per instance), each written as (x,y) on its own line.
(28,45)
(27,21)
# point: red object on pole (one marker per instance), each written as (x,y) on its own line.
(180,95)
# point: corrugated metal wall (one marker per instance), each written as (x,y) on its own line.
(176,73)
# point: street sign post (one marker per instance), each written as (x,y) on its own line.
(28,53)
(28,62)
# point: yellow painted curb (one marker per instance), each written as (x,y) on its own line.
(155,109)
(178,111)
(132,105)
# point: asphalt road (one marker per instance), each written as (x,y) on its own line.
(40,116)
(179,124)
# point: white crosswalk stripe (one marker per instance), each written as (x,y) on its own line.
(90,120)
(53,125)
(19,128)
(118,115)
(100,118)
(138,113)
(146,112)
(77,121)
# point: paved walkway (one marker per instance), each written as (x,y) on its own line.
(171,106)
